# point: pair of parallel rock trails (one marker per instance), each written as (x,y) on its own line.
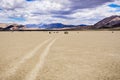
(33,73)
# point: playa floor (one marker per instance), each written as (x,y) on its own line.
(78,55)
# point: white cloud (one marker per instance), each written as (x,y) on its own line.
(43,6)
(40,11)
(12,4)
(91,16)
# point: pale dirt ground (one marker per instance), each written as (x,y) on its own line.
(79,55)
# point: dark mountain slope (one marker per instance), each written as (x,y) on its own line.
(109,22)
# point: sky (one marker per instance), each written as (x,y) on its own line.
(73,12)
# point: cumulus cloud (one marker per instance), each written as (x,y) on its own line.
(11,4)
(61,11)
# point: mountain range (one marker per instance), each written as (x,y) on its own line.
(106,23)
(52,26)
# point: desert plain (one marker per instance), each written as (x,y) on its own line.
(78,55)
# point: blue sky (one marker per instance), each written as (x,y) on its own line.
(30,0)
(114,6)
(57,11)
(20,19)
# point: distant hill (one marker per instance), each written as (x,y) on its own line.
(3,25)
(53,26)
(109,22)
(13,27)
